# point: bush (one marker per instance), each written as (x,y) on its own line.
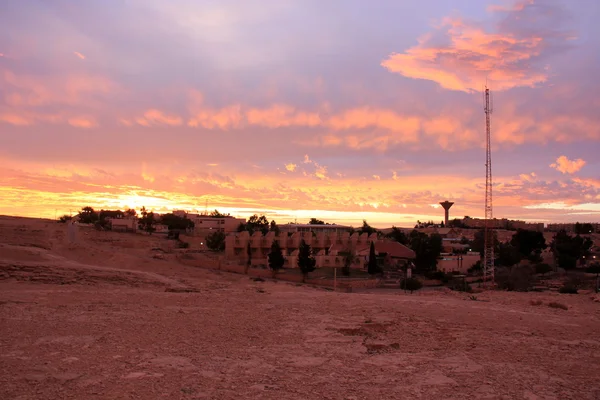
(411,284)
(536,302)
(558,305)
(460,286)
(64,219)
(518,278)
(183,245)
(440,276)
(476,268)
(542,268)
(568,288)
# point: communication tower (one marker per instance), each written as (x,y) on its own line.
(488,256)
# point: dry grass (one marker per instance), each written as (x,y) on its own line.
(554,304)
(536,302)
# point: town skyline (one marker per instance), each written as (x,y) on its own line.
(250,109)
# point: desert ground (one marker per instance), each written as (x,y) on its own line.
(106,318)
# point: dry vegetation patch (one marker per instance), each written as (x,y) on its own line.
(554,304)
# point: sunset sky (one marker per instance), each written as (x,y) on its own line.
(339,109)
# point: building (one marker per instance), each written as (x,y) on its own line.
(207,224)
(457,262)
(503,223)
(328,247)
(570,227)
(317,228)
(393,254)
(126,224)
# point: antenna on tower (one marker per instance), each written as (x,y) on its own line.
(488,256)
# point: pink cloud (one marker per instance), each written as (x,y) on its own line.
(82,122)
(461,55)
(281,116)
(155,117)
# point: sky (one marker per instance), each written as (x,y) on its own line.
(342,110)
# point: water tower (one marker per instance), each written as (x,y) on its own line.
(446,204)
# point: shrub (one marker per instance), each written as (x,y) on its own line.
(518,278)
(411,284)
(440,276)
(183,245)
(558,305)
(542,268)
(64,219)
(536,302)
(460,286)
(568,289)
(476,268)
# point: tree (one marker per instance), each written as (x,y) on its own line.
(175,222)
(147,221)
(456,223)
(366,228)
(217,214)
(274,228)
(275,257)
(306,262)
(130,212)
(507,255)
(348,257)
(427,249)
(216,241)
(411,284)
(529,244)
(595,269)
(87,215)
(255,223)
(249,258)
(478,243)
(314,221)
(568,249)
(398,235)
(373,267)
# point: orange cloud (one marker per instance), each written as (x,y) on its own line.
(462,56)
(23,90)
(155,117)
(360,118)
(14,119)
(281,116)
(224,118)
(566,166)
(82,122)
(291,167)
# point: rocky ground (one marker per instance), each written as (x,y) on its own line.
(106,319)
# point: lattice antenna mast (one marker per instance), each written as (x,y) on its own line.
(488,257)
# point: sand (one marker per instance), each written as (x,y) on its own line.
(106,319)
